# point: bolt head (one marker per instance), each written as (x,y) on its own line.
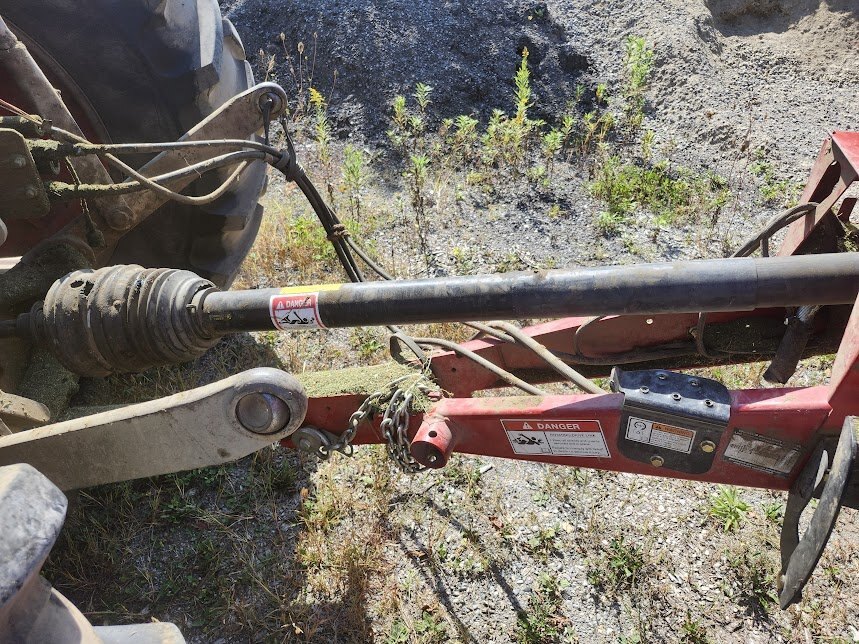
(18,161)
(644,390)
(30,192)
(695,383)
(708,402)
(676,396)
(120,218)
(657,461)
(708,447)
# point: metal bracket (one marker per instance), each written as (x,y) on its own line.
(831,468)
(24,196)
(210,425)
(238,118)
(670,419)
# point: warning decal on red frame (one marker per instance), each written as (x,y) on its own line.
(298,311)
(670,437)
(556,437)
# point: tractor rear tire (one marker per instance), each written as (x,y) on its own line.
(149,70)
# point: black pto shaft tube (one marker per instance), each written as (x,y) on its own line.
(735,284)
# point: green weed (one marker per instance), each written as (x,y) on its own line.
(409,125)
(774,512)
(752,577)
(774,191)
(321,126)
(354,178)
(543,542)
(553,142)
(638,63)
(619,566)
(692,631)
(417,179)
(671,194)
(727,508)
(610,223)
(543,620)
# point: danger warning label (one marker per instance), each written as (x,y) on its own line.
(556,437)
(298,311)
(650,432)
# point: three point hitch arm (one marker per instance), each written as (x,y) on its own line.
(638,326)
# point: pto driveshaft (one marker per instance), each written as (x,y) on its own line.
(127,318)
(739,284)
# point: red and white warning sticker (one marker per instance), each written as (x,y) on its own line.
(650,432)
(556,437)
(295,311)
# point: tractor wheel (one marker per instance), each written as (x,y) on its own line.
(148,70)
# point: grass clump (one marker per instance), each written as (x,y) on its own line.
(671,194)
(774,191)
(619,567)
(429,628)
(543,620)
(692,631)
(752,577)
(727,508)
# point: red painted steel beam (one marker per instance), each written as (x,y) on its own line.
(844,383)
(600,340)
(836,168)
(482,426)
(790,417)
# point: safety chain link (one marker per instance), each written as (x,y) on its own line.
(396,402)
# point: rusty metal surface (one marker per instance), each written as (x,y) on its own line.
(43,99)
(192,429)
(23,194)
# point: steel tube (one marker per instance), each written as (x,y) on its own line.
(734,284)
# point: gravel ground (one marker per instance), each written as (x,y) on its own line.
(731,77)
(778,73)
(490,550)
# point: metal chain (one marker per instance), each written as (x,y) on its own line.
(396,402)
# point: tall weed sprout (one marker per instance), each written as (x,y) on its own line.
(638,64)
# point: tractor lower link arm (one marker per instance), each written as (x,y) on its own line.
(127,318)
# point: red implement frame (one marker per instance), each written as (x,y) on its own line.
(795,417)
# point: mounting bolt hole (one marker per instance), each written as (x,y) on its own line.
(433,434)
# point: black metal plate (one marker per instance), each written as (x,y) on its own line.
(671,420)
